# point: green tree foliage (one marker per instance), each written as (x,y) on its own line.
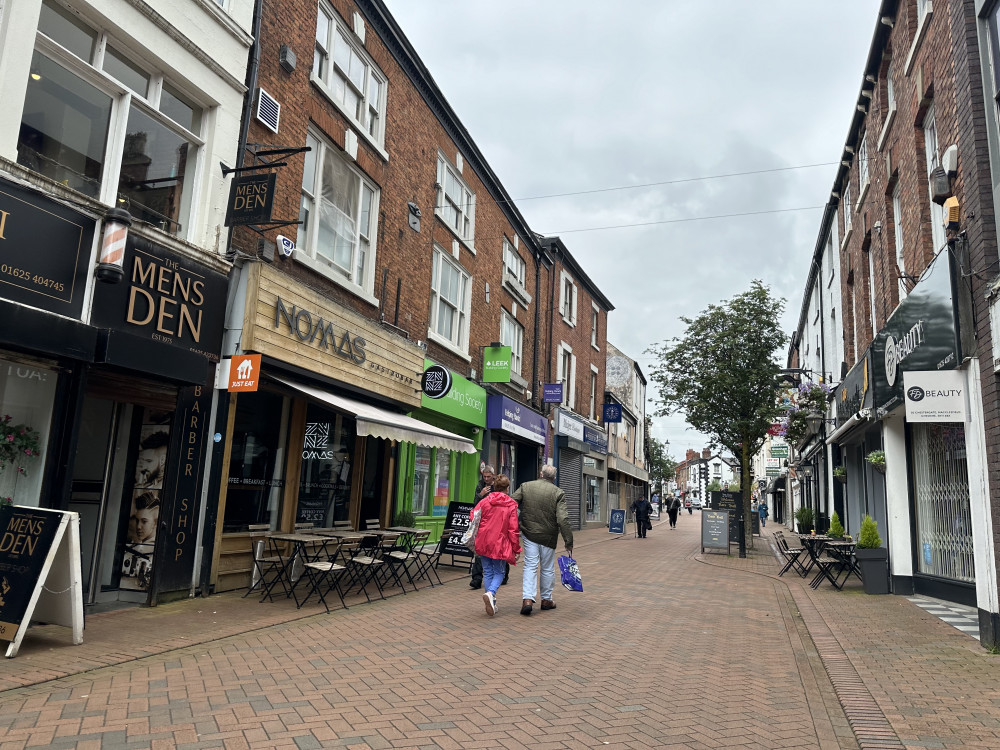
(714,486)
(662,467)
(721,373)
(836,527)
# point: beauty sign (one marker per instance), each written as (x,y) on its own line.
(935,396)
(496,364)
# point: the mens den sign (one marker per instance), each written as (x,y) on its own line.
(936,396)
(251,198)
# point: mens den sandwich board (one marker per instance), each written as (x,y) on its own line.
(40,576)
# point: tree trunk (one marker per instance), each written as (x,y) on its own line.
(746,491)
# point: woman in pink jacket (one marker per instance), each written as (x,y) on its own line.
(498,538)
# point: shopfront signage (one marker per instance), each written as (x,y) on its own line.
(779,451)
(457,519)
(464,400)
(855,392)
(612,413)
(506,414)
(302,327)
(251,197)
(921,335)
(436,381)
(552,393)
(244,373)
(45,251)
(568,425)
(617,523)
(933,396)
(496,364)
(165,297)
(595,438)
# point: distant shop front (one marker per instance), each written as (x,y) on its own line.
(517,437)
(580,457)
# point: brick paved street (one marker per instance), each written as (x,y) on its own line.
(666,648)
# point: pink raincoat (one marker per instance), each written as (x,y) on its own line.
(498,536)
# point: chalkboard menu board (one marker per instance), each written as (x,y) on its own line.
(457,520)
(715,530)
(731,502)
(26,536)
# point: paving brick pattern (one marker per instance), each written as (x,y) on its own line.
(666,648)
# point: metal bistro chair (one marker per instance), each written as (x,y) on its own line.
(323,577)
(404,555)
(392,552)
(791,555)
(426,560)
(362,567)
(267,560)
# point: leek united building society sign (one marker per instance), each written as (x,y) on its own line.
(922,334)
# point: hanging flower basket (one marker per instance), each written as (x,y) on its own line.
(877,461)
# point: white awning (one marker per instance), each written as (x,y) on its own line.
(381,423)
(856,421)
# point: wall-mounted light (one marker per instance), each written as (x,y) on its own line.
(116,224)
(35,75)
(888,21)
(807,471)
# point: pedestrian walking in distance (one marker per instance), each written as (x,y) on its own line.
(543,519)
(641,509)
(483,488)
(497,541)
(672,510)
(762,509)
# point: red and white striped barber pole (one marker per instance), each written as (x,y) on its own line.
(116,224)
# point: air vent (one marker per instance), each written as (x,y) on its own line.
(268,110)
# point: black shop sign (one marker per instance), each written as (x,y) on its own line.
(44,251)
(166,298)
(26,536)
(251,198)
(458,521)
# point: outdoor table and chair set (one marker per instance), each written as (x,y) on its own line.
(825,557)
(339,560)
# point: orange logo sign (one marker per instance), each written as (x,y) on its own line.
(244,372)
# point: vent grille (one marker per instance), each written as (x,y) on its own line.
(268,110)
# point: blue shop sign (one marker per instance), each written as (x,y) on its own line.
(612,413)
(597,439)
(503,413)
(552,393)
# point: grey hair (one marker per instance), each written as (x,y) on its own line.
(549,472)
(489,468)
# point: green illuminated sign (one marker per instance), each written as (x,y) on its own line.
(496,364)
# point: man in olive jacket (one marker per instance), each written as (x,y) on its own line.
(542,518)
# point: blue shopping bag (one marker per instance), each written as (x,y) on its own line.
(570,573)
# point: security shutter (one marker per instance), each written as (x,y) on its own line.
(571,482)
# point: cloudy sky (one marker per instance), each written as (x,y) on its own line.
(568,97)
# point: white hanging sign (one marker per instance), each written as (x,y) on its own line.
(936,396)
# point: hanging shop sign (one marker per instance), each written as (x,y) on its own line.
(552,393)
(300,326)
(779,451)
(251,197)
(568,425)
(612,413)
(597,439)
(855,392)
(506,414)
(44,251)
(436,381)
(165,298)
(936,396)
(496,364)
(921,335)
(244,373)
(464,400)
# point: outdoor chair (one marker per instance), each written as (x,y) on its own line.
(372,523)
(267,561)
(343,525)
(791,554)
(404,554)
(323,576)
(362,568)
(390,544)
(426,560)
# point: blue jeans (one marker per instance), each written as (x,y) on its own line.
(493,573)
(536,555)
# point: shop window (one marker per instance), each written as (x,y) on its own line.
(421,480)
(256,464)
(26,396)
(593,499)
(507,465)
(68,134)
(338,211)
(442,482)
(327,463)
(941,497)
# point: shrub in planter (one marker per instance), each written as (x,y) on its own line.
(840,473)
(873,558)
(877,460)
(404,518)
(804,518)
(836,527)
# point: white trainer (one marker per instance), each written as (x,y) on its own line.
(491,604)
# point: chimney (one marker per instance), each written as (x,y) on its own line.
(691,454)
(707,453)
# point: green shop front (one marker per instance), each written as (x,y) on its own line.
(431,478)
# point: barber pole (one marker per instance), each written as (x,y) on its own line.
(116,224)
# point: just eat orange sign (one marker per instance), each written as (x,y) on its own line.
(244,372)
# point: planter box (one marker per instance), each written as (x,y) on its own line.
(874,564)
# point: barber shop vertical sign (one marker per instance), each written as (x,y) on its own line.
(179,516)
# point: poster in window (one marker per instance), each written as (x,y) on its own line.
(442,484)
(144,511)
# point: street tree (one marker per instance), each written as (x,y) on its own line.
(720,375)
(662,466)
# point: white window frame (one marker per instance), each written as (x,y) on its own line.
(465,209)
(863,176)
(123,100)
(595,324)
(372,108)
(871,288)
(933,159)
(847,210)
(594,372)
(567,298)
(897,226)
(512,335)
(568,379)
(459,342)
(362,286)
(513,263)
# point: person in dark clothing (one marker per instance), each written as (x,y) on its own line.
(641,508)
(673,508)
(484,488)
